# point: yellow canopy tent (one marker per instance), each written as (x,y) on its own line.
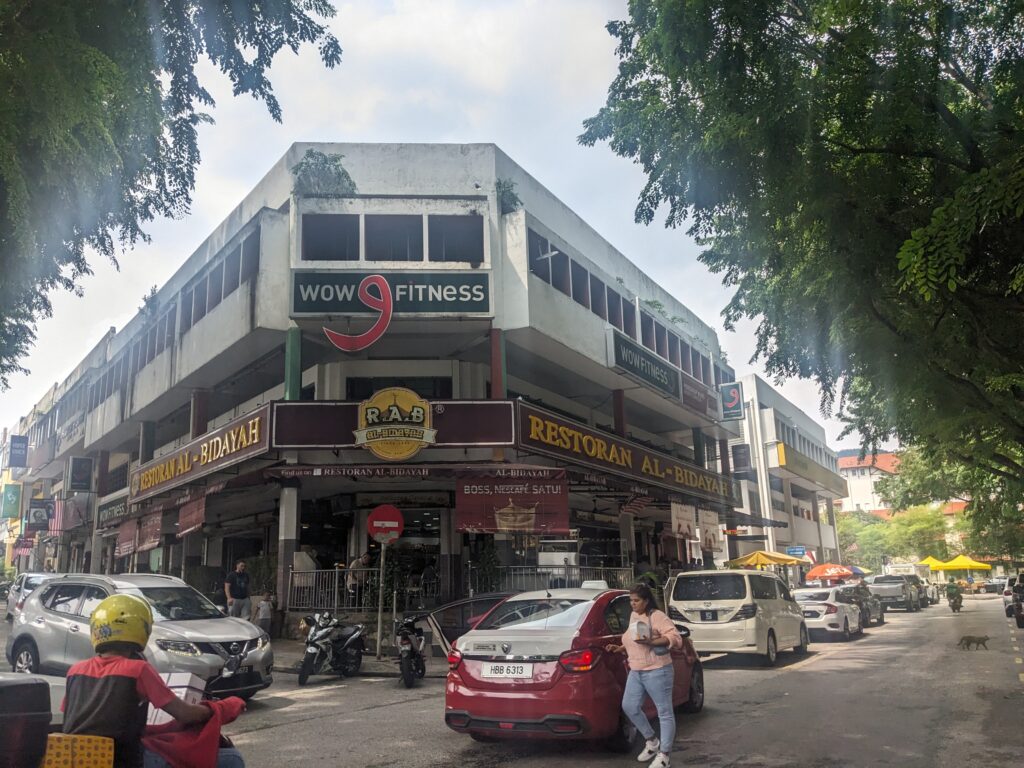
(763,557)
(931,562)
(962,563)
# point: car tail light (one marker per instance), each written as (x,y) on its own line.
(579,661)
(675,614)
(746,611)
(20,604)
(1007,592)
(454,659)
(829,608)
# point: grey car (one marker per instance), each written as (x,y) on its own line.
(190,634)
(22,587)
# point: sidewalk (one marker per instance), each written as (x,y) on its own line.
(288,656)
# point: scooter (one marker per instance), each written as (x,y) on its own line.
(955,603)
(412,661)
(331,647)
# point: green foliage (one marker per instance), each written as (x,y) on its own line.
(98,127)
(508,200)
(865,539)
(854,173)
(321,175)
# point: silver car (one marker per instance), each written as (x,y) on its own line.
(22,587)
(190,634)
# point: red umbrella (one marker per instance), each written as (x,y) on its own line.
(828,571)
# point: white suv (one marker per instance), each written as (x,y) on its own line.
(737,612)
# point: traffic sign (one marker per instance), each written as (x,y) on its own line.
(385,523)
(796,551)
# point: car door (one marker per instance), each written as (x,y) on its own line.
(790,614)
(79,640)
(762,592)
(616,619)
(53,623)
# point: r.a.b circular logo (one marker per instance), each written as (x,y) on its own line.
(395,424)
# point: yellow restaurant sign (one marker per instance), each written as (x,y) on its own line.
(237,440)
(395,424)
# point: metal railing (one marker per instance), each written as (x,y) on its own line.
(351,589)
(525,578)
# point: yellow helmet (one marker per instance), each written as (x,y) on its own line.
(121,619)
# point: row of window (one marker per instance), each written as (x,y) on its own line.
(392,237)
(570,277)
(227,272)
(790,436)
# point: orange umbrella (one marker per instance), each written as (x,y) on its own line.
(828,571)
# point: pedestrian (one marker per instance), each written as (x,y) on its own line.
(236,589)
(647,643)
(355,580)
(263,613)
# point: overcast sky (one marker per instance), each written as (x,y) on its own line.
(523,75)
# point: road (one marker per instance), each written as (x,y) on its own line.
(903,695)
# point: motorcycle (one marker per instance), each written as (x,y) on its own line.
(5,589)
(412,660)
(331,646)
(955,602)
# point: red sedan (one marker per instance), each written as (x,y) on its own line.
(535,667)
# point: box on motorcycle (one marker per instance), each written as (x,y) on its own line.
(24,720)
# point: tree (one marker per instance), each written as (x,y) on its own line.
(918,532)
(98,127)
(855,172)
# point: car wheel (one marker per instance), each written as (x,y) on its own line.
(306,669)
(805,640)
(695,701)
(865,620)
(624,738)
(1020,621)
(846,630)
(26,658)
(772,650)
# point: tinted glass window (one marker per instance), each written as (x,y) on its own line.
(784,592)
(93,597)
(65,598)
(888,579)
(177,603)
(762,588)
(716,586)
(812,597)
(616,615)
(537,614)
(328,237)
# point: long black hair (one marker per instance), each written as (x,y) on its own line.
(645,593)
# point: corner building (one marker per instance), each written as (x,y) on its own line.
(447,337)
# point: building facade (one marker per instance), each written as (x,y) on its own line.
(429,328)
(786,473)
(862,475)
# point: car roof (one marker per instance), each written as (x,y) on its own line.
(563,594)
(123,580)
(738,571)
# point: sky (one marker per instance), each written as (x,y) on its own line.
(523,75)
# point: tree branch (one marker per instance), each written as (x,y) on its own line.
(898,152)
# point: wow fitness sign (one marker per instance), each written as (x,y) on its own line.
(385,295)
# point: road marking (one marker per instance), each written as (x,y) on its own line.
(1021,676)
(1019,661)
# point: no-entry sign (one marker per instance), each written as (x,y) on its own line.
(385,523)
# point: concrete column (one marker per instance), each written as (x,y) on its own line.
(287,540)
(498,364)
(816,514)
(787,501)
(627,539)
(293,364)
(723,457)
(700,455)
(147,441)
(199,416)
(619,411)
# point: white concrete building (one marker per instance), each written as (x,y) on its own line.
(862,476)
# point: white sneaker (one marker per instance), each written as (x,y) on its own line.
(661,761)
(650,750)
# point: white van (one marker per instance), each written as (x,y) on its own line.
(737,612)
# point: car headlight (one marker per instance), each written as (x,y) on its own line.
(264,640)
(180,647)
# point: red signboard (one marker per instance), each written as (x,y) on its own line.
(149,532)
(385,523)
(127,536)
(513,500)
(191,517)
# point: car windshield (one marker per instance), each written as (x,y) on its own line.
(176,603)
(811,597)
(889,579)
(712,586)
(537,614)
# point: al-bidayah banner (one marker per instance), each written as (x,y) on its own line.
(531,500)
(710,535)
(684,521)
(10,507)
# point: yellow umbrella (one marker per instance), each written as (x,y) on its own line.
(763,557)
(931,562)
(962,563)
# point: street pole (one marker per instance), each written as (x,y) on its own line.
(380,598)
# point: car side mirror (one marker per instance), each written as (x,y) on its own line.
(683,630)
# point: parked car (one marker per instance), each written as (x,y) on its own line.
(895,591)
(451,621)
(190,634)
(996,585)
(535,668)
(1011,582)
(934,590)
(829,611)
(871,609)
(23,586)
(916,582)
(741,611)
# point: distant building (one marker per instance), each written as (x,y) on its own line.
(862,475)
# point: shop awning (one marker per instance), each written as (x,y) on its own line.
(127,538)
(149,532)
(191,517)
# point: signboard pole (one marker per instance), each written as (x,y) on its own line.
(380,599)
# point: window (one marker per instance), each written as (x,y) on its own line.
(330,237)
(580,285)
(718,586)
(431,388)
(251,256)
(456,238)
(169,319)
(695,364)
(539,256)
(616,615)
(705,370)
(394,238)
(560,272)
(598,298)
(629,319)
(215,291)
(762,588)
(673,349)
(661,340)
(65,598)
(161,334)
(647,330)
(199,301)
(614,309)
(93,597)
(685,360)
(186,310)
(540,614)
(231,264)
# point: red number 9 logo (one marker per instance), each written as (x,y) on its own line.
(382,302)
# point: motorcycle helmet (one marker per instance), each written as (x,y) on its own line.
(121,619)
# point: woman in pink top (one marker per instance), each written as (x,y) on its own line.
(648,644)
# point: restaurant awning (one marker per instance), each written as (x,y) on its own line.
(127,538)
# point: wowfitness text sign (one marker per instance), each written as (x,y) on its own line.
(627,356)
(547,433)
(236,441)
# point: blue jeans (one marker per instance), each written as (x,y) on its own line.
(656,683)
(228,757)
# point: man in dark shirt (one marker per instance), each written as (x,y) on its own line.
(236,589)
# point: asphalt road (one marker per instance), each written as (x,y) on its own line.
(903,695)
